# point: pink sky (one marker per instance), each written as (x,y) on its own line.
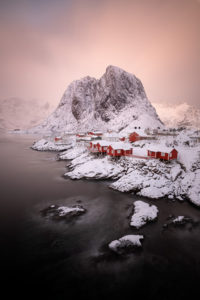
(47,44)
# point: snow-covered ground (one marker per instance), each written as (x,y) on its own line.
(48,145)
(152,178)
(143,213)
(73,153)
(125,243)
(97,169)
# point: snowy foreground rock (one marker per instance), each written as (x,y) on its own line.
(148,178)
(45,145)
(56,212)
(96,169)
(156,179)
(143,213)
(180,221)
(126,243)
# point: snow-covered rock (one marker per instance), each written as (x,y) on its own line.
(62,212)
(65,210)
(143,213)
(46,145)
(175,172)
(146,178)
(97,169)
(126,243)
(178,219)
(72,153)
(117,100)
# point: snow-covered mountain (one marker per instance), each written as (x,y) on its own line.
(115,101)
(178,115)
(22,114)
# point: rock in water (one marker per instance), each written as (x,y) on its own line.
(126,243)
(116,101)
(143,213)
(56,212)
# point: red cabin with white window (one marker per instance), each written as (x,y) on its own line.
(102,146)
(163,154)
(119,149)
(115,152)
(94,147)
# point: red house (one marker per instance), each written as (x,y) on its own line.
(122,139)
(93,147)
(80,135)
(97,133)
(119,149)
(163,154)
(103,146)
(58,138)
(133,137)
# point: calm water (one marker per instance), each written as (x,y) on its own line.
(59,260)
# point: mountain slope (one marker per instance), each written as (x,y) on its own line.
(23,114)
(179,115)
(116,101)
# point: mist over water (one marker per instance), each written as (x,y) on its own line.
(61,260)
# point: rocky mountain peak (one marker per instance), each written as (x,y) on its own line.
(115,100)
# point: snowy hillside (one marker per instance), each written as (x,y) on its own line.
(116,101)
(22,114)
(178,115)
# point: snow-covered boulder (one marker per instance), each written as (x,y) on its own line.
(96,169)
(143,213)
(46,145)
(72,153)
(194,190)
(180,221)
(126,243)
(175,171)
(56,212)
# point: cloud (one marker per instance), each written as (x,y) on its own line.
(45,47)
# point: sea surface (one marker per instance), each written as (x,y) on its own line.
(45,259)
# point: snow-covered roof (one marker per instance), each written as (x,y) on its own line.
(158,148)
(95,142)
(87,138)
(103,143)
(96,132)
(112,134)
(120,145)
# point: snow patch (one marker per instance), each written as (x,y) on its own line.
(143,213)
(126,242)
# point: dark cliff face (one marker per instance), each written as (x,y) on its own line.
(83,97)
(115,89)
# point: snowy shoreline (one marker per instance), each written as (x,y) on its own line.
(153,178)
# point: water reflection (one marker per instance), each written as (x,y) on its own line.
(58,259)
